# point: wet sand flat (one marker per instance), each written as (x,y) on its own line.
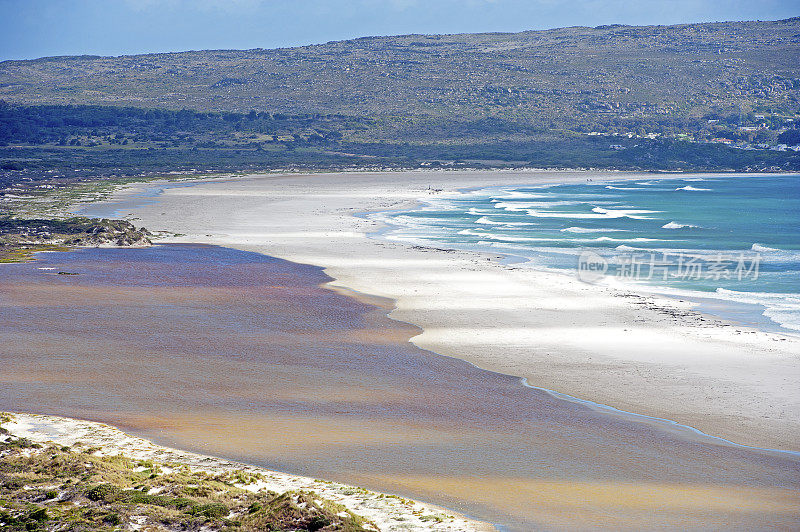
(246,357)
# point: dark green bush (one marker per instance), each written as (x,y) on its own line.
(318,522)
(103,492)
(39,514)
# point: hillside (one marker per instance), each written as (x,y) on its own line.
(427,98)
(535,75)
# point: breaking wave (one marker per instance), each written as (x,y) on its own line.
(690,187)
(676,225)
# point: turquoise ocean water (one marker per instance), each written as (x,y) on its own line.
(730,242)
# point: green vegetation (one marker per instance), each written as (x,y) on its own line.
(698,97)
(193,150)
(56,488)
(567,76)
(20,238)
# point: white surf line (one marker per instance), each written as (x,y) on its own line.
(381,234)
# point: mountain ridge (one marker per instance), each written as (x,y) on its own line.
(457,75)
(368,37)
(680,97)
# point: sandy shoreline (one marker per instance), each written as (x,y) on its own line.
(639,353)
(387,512)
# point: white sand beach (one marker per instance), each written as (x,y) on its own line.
(388,513)
(639,353)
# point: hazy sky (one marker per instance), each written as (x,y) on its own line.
(36,28)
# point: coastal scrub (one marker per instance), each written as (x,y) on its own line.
(50,487)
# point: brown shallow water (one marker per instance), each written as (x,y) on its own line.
(245,356)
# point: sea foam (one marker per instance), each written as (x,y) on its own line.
(676,225)
(590,230)
(759,247)
(487,220)
(690,187)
